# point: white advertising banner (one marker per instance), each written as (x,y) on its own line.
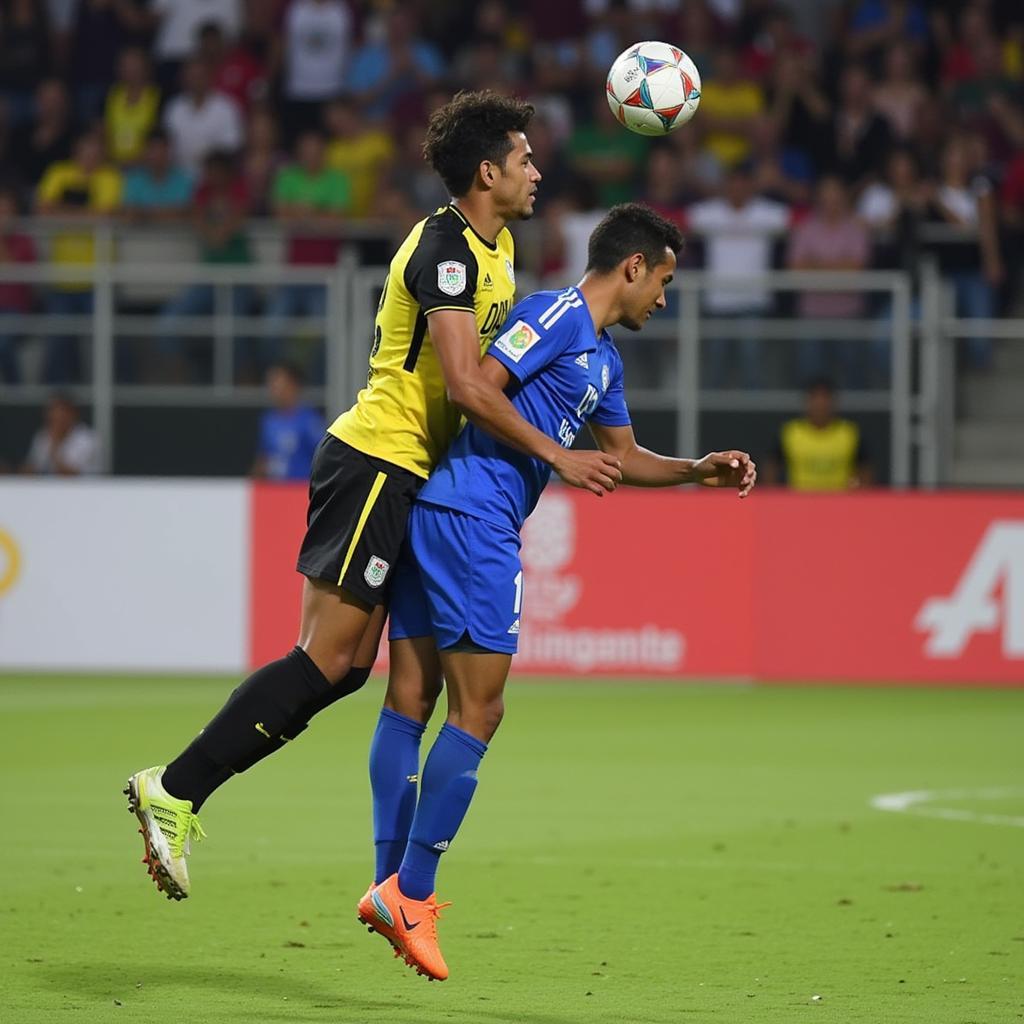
(124,575)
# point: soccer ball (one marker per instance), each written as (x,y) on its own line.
(653,88)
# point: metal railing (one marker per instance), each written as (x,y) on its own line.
(921,414)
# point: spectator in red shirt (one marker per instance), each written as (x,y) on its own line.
(262,158)
(974,28)
(15,297)
(1012,194)
(778,36)
(237,71)
(1012,201)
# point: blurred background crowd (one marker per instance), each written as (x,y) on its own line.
(831,135)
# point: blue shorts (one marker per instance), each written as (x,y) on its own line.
(457,575)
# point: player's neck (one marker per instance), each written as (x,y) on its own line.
(481,216)
(602,304)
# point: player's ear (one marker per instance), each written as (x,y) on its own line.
(487,174)
(634,265)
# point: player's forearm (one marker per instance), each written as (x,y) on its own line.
(487,407)
(644,468)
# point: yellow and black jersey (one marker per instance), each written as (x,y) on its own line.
(403,415)
(821,458)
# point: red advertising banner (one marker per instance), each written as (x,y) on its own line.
(863,587)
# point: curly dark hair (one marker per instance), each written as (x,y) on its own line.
(627,229)
(472,127)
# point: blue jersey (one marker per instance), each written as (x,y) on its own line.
(288,441)
(562,376)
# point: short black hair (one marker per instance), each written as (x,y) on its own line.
(208,29)
(289,369)
(627,229)
(63,398)
(470,128)
(820,383)
(220,160)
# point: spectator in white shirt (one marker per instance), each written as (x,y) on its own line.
(178,34)
(201,121)
(739,231)
(63,446)
(314,46)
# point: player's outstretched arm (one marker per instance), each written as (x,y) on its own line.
(481,398)
(644,468)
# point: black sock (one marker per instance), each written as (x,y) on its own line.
(271,706)
(355,680)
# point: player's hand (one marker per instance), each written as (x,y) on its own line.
(727,469)
(596,472)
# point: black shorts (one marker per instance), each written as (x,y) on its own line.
(358,510)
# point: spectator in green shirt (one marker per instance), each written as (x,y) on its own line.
(219,210)
(603,151)
(309,199)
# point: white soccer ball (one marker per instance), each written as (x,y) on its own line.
(653,88)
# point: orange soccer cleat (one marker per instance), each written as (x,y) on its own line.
(409,925)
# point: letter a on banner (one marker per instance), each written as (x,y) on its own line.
(975,605)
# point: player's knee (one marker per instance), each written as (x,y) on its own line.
(414,701)
(486,718)
(335,665)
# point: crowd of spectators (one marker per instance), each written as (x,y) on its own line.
(825,149)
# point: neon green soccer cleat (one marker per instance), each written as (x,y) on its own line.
(168,826)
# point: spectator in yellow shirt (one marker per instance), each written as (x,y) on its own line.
(132,106)
(820,451)
(358,150)
(81,188)
(729,108)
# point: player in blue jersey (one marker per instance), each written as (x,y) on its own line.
(459,586)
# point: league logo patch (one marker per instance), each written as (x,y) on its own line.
(376,570)
(605,377)
(510,270)
(517,340)
(451,277)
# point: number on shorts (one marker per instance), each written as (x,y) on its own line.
(519,593)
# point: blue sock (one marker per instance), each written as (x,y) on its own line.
(394,772)
(449,779)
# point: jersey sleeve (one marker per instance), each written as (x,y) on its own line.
(612,411)
(442,271)
(524,346)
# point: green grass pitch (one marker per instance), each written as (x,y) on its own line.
(636,853)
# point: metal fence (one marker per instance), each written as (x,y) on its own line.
(918,394)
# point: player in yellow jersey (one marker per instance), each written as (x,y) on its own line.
(449,288)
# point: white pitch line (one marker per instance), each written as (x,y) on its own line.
(921,801)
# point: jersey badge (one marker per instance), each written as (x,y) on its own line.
(510,270)
(375,571)
(517,340)
(581,360)
(605,377)
(451,277)
(487,284)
